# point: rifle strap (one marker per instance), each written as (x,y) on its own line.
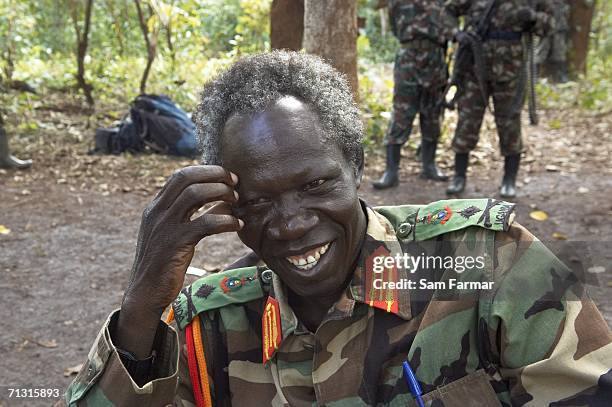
(519,96)
(527,77)
(533,105)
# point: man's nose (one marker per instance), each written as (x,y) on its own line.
(291,226)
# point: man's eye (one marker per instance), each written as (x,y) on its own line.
(314,184)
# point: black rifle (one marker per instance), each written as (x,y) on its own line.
(470,56)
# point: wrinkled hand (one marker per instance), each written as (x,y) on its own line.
(167,237)
(167,240)
(526,16)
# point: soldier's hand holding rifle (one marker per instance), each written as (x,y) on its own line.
(527,17)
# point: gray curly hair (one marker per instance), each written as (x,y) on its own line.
(253,83)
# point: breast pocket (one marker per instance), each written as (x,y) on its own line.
(471,390)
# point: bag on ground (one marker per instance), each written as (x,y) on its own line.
(155,122)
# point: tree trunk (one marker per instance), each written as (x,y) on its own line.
(9,66)
(581,16)
(150,41)
(116,16)
(82,42)
(169,42)
(287,24)
(330,30)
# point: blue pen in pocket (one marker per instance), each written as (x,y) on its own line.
(413,384)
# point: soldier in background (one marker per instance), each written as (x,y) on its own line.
(552,50)
(499,72)
(420,75)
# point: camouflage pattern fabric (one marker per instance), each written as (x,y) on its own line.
(554,47)
(471,112)
(420,70)
(419,19)
(414,93)
(505,17)
(534,339)
(503,65)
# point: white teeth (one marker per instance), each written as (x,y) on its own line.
(310,261)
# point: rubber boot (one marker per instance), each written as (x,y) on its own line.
(511,167)
(428,159)
(6,159)
(457,185)
(390,178)
(562,76)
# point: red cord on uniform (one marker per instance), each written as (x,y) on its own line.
(193,367)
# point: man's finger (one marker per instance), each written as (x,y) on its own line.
(211,224)
(197,195)
(220,208)
(187,176)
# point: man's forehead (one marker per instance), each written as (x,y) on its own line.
(287,124)
(288,108)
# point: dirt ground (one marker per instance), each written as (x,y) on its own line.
(73,221)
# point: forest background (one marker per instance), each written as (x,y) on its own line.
(53,46)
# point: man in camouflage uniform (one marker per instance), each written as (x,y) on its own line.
(419,76)
(552,50)
(500,70)
(319,324)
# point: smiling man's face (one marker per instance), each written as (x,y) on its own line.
(298,197)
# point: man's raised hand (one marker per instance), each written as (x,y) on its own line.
(166,244)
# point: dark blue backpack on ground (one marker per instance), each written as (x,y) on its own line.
(163,126)
(155,122)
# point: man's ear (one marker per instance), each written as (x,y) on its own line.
(359,170)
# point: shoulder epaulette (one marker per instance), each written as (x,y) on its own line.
(217,290)
(454,214)
(422,222)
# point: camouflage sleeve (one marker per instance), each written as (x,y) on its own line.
(547,337)
(390,9)
(453,9)
(104,381)
(545,17)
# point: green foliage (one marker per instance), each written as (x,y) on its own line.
(592,92)
(194,39)
(376,43)
(15,41)
(596,88)
(253,28)
(376,92)
(219,19)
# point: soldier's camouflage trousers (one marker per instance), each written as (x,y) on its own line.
(471,111)
(419,80)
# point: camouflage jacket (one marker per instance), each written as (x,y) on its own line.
(561,15)
(419,19)
(503,58)
(421,26)
(529,336)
